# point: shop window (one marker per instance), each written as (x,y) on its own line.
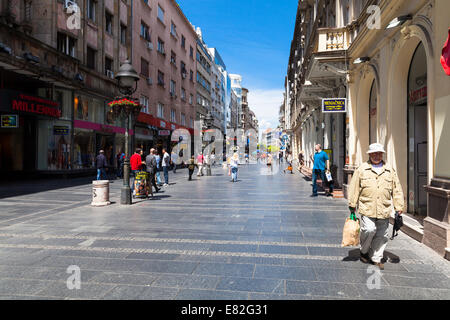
(64,97)
(81,109)
(84,149)
(54,145)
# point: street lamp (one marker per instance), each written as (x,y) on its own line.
(127,79)
(208,122)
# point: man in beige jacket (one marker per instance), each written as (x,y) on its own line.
(373,189)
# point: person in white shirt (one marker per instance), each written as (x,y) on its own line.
(165,165)
(234,162)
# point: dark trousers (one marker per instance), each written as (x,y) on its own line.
(152,178)
(321,174)
(166,174)
(191,172)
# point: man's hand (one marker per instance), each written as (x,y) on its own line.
(399,213)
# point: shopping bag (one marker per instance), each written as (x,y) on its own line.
(350,235)
(329,177)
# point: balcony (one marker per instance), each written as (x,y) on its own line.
(332,39)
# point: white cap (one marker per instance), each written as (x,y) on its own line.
(376,147)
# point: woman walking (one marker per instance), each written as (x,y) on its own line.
(191,167)
(234,162)
(269,161)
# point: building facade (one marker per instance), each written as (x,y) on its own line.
(55,83)
(164,52)
(397,94)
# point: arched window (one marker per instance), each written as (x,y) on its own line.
(373,114)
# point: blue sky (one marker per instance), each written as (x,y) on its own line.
(253,37)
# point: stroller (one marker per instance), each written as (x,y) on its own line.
(142,187)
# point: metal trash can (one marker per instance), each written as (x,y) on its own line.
(100,193)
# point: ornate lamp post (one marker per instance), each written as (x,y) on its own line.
(208,122)
(125,107)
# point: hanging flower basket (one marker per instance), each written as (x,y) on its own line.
(122,102)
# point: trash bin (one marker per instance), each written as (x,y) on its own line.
(100,193)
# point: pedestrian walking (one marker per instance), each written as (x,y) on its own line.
(151,164)
(165,163)
(120,162)
(136,164)
(321,162)
(234,163)
(288,163)
(158,168)
(200,162)
(191,167)
(101,165)
(373,189)
(301,161)
(269,162)
(174,160)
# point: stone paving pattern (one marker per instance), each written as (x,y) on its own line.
(260,238)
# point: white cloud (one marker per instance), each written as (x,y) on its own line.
(266,105)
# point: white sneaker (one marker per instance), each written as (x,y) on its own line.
(165,185)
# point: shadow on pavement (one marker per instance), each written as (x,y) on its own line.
(354,255)
(28,186)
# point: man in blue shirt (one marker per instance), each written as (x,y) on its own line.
(321,162)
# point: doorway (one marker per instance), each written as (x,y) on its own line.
(417,133)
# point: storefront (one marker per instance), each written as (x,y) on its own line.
(28,139)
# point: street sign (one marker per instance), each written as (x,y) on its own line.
(334,105)
(10,121)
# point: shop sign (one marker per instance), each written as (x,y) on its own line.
(10,121)
(106,129)
(60,130)
(163,132)
(162,124)
(37,105)
(172,126)
(334,105)
(418,95)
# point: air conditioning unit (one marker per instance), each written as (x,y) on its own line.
(70,4)
(110,74)
(149,45)
(149,80)
(183,75)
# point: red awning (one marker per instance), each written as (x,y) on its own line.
(445,58)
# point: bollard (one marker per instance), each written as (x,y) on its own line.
(100,193)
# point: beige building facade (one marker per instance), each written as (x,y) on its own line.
(397,95)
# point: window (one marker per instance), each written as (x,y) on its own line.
(191,52)
(160,110)
(144,103)
(205,83)
(172,87)
(173,29)
(183,41)
(183,69)
(160,14)
(91,9)
(192,122)
(108,20)
(173,58)
(123,34)
(160,78)
(108,65)
(145,32)
(161,46)
(191,76)
(173,115)
(144,67)
(183,119)
(191,97)
(90,58)
(66,44)
(183,94)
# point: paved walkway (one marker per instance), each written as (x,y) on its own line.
(260,238)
